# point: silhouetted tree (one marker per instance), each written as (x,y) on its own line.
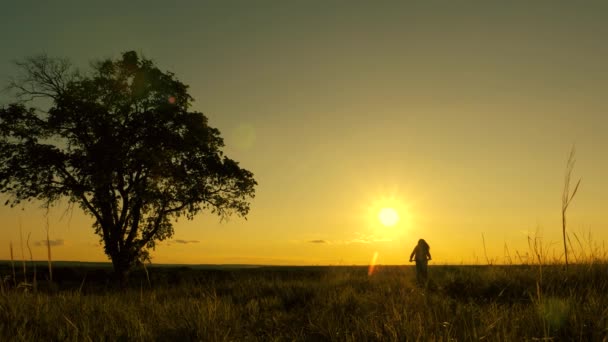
(121,143)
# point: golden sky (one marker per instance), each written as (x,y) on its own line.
(459,115)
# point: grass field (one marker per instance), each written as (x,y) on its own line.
(461,303)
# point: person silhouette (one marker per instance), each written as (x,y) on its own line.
(422,254)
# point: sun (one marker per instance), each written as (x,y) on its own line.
(388,217)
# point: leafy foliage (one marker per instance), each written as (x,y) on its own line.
(122,143)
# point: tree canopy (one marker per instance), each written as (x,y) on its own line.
(121,142)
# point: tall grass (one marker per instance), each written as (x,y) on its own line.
(325,303)
(13,264)
(567,197)
(27,243)
(48,249)
(537,300)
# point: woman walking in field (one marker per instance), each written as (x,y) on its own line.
(422,254)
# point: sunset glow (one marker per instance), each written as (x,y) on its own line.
(388,217)
(367,125)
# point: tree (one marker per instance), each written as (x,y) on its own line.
(122,143)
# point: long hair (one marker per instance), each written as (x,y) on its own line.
(425,246)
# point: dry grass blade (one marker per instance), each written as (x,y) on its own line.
(31,260)
(22,254)
(13,264)
(567,198)
(70,322)
(48,249)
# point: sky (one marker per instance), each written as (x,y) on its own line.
(457,115)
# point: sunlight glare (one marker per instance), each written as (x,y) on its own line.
(388,217)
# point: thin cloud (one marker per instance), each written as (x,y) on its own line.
(367,239)
(186,241)
(360,238)
(53,243)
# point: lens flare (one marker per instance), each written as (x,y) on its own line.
(244,136)
(372,265)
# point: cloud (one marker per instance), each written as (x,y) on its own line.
(186,241)
(367,239)
(53,243)
(360,238)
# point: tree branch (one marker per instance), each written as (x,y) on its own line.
(159,219)
(80,193)
(136,215)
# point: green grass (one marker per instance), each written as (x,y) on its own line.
(315,303)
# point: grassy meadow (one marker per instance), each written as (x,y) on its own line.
(460,303)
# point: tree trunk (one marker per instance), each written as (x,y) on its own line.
(122,266)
